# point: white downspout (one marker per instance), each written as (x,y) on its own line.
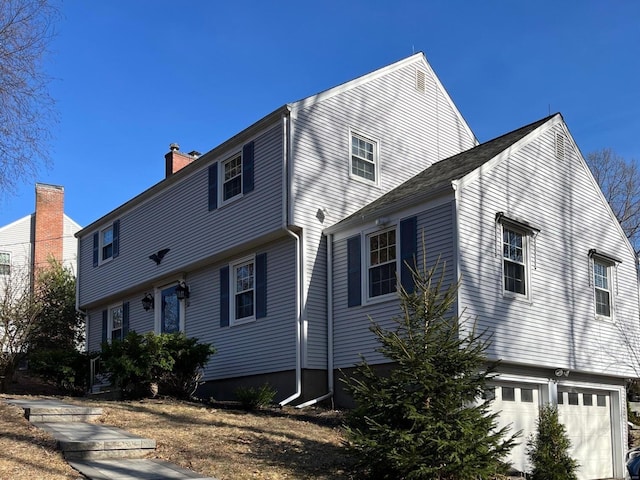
(86,317)
(286,142)
(329,393)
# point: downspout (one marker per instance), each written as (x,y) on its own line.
(329,328)
(286,142)
(77,306)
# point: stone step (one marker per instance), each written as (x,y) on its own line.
(134,470)
(90,441)
(53,411)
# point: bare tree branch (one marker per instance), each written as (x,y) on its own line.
(619,180)
(27,110)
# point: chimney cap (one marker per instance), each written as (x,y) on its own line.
(174,147)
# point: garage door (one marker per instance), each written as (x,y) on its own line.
(518,406)
(587,418)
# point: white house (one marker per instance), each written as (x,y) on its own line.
(262,247)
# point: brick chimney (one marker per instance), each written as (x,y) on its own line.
(48,225)
(176,160)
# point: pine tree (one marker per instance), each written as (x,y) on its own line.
(548,450)
(425,419)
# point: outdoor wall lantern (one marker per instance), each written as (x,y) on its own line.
(182,291)
(147,302)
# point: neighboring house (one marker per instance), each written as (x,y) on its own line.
(28,244)
(263,247)
(545,270)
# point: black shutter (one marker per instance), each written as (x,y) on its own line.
(354,284)
(261,285)
(105,327)
(247,168)
(96,249)
(408,251)
(213,186)
(224,297)
(125,319)
(116,238)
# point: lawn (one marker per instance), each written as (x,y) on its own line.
(217,440)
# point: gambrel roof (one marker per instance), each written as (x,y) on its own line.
(439,176)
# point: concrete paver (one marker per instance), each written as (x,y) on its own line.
(90,448)
(134,469)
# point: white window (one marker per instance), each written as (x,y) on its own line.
(517,252)
(116,322)
(514,255)
(382,263)
(106,243)
(243,291)
(364,158)
(5,263)
(602,285)
(232,177)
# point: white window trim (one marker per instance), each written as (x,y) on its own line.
(376,158)
(611,265)
(529,235)
(157,309)
(232,291)
(221,182)
(110,319)
(101,244)
(367,300)
(8,264)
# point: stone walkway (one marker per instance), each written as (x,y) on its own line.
(97,451)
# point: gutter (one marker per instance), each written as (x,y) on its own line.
(286,141)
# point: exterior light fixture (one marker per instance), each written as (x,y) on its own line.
(147,302)
(182,291)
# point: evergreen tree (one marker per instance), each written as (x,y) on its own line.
(548,450)
(426,419)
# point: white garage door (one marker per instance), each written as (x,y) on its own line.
(518,406)
(587,418)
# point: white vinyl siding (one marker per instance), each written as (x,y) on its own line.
(557,327)
(351,333)
(194,238)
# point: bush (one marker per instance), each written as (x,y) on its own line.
(189,359)
(66,369)
(548,450)
(252,398)
(425,420)
(170,361)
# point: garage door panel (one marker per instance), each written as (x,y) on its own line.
(588,426)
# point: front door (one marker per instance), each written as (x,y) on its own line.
(170,313)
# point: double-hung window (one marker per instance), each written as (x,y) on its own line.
(5,263)
(603,271)
(244,290)
(516,240)
(514,261)
(116,322)
(364,158)
(106,243)
(382,262)
(602,285)
(232,177)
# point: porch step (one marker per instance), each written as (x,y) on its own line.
(90,441)
(53,411)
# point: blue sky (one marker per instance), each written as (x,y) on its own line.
(133,76)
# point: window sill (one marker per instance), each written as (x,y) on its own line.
(380,299)
(242,321)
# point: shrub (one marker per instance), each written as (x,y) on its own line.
(189,358)
(425,420)
(252,398)
(66,369)
(170,360)
(548,450)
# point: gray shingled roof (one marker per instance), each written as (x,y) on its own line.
(442,173)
